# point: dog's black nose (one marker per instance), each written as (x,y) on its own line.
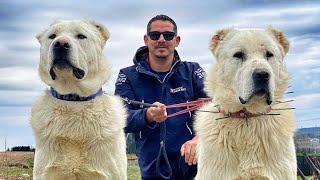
(61,51)
(260,81)
(260,75)
(62,44)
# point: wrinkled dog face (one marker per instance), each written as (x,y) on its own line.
(71,51)
(252,61)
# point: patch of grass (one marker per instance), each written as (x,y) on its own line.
(15,172)
(12,172)
(18,160)
(309,154)
(308,177)
(133,170)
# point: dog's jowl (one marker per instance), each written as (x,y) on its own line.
(248,136)
(78,129)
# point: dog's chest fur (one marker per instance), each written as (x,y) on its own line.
(242,150)
(78,134)
(75,121)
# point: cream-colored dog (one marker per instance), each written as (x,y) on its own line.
(78,129)
(247,135)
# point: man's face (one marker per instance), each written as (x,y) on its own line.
(161,48)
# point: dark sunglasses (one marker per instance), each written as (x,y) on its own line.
(167,35)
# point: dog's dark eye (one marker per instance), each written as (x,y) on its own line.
(81,36)
(239,55)
(269,54)
(52,36)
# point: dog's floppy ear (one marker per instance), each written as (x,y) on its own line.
(217,38)
(281,38)
(103,31)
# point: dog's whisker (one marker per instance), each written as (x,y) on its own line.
(223,118)
(279,102)
(271,114)
(208,111)
(289,92)
(283,109)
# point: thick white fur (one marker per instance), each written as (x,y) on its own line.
(229,149)
(78,140)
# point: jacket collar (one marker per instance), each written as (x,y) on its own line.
(74,97)
(144,67)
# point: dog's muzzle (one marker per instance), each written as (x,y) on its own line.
(260,82)
(61,54)
(260,86)
(61,60)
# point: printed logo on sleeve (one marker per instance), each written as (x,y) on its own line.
(200,73)
(121,79)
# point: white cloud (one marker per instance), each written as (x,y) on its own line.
(20,78)
(290,18)
(307,101)
(18,98)
(306,10)
(15,121)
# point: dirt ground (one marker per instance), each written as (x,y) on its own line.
(18,166)
(16,159)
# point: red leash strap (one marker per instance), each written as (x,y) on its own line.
(199,101)
(191,106)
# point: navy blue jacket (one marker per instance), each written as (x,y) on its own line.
(183,83)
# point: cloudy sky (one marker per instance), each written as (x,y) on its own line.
(21,20)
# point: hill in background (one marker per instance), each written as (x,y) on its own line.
(313,132)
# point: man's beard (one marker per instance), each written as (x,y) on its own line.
(161,57)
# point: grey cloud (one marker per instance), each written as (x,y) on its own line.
(18,98)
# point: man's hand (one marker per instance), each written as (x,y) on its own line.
(157,114)
(188,150)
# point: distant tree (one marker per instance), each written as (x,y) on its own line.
(21,148)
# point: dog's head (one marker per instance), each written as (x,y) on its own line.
(250,65)
(71,57)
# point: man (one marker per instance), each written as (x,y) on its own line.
(166,147)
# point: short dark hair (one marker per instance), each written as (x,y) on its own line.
(162,18)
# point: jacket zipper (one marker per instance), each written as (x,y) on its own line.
(140,133)
(167,73)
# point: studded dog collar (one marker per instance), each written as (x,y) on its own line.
(74,97)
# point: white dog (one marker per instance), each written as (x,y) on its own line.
(245,137)
(78,129)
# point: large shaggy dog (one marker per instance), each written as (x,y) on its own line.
(245,137)
(78,129)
